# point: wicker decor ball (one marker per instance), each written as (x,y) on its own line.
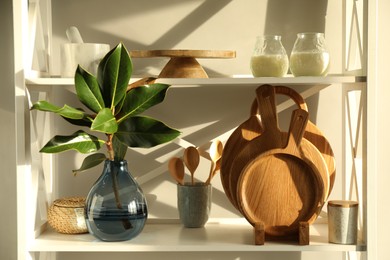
(66,215)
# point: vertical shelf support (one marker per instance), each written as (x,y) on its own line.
(38,55)
(354,151)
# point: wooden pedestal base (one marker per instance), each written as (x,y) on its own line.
(302,236)
(183,63)
(183,67)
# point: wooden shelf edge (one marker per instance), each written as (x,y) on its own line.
(173,237)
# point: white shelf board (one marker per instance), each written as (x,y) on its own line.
(173,237)
(234,80)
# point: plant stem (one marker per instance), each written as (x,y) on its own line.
(125,222)
(143,81)
(110,150)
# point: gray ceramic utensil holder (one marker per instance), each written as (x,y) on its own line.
(194,204)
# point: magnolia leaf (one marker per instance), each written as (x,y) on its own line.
(88,91)
(79,141)
(65,111)
(105,122)
(120,149)
(141,98)
(145,132)
(119,106)
(114,73)
(80,122)
(91,161)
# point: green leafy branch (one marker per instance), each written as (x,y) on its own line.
(115,111)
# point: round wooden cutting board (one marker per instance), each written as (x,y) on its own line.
(284,186)
(241,136)
(270,138)
(313,134)
(239,146)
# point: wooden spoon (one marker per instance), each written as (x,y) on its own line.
(191,160)
(176,168)
(216,149)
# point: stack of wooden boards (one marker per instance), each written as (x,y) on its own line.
(278,180)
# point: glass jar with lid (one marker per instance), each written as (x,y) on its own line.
(309,56)
(269,58)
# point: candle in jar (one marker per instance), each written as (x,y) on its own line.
(269,65)
(309,63)
(342,221)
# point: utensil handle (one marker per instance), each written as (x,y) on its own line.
(286,91)
(297,128)
(295,96)
(211,174)
(266,105)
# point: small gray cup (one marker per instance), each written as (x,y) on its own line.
(194,204)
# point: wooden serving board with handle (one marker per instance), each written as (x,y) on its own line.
(314,135)
(243,134)
(251,129)
(284,186)
(270,138)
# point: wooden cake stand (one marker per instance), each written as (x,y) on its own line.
(183,63)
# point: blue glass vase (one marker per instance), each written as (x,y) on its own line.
(116,208)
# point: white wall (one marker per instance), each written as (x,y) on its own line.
(8,237)
(383,108)
(219,25)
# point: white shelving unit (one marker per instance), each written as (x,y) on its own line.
(168,236)
(234,80)
(218,235)
(173,237)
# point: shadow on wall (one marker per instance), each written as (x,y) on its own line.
(290,17)
(126,14)
(283,17)
(124,9)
